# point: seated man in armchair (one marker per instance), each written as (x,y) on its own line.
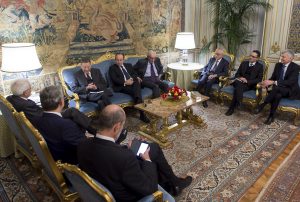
(284,82)
(216,67)
(247,76)
(149,71)
(90,85)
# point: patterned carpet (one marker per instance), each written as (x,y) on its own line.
(284,185)
(225,158)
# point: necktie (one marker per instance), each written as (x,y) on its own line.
(214,67)
(89,78)
(125,73)
(282,73)
(153,76)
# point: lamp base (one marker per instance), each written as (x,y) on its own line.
(184,57)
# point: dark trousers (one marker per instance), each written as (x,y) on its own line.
(80,119)
(205,84)
(239,89)
(101,98)
(275,96)
(134,90)
(155,86)
(165,172)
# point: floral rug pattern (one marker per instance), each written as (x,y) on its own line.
(225,158)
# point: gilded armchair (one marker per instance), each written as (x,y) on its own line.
(251,97)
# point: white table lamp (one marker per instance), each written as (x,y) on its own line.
(19,57)
(184,42)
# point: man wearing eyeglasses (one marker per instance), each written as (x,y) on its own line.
(216,67)
(284,82)
(149,71)
(248,75)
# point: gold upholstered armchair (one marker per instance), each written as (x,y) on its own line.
(50,171)
(216,87)
(252,97)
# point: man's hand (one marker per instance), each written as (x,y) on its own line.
(267,83)
(91,86)
(212,76)
(244,80)
(139,79)
(129,82)
(145,156)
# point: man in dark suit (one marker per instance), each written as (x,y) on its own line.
(62,135)
(248,75)
(125,80)
(149,71)
(128,177)
(216,67)
(90,85)
(21,91)
(284,82)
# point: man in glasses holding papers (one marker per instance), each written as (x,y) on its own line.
(90,85)
(247,76)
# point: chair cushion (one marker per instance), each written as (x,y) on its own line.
(215,86)
(68,75)
(247,94)
(86,107)
(285,102)
(146,93)
(169,83)
(119,98)
(195,81)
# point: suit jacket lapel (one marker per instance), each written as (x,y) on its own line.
(82,77)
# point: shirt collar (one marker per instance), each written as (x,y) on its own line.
(24,98)
(253,63)
(57,113)
(286,65)
(105,137)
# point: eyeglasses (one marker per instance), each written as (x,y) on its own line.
(253,56)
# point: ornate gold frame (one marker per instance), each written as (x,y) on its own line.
(251,102)
(62,191)
(75,97)
(31,156)
(74,169)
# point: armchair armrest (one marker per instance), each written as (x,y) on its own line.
(224,81)
(73,99)
(166,76)
(260,91)
(196,75)
(156,196)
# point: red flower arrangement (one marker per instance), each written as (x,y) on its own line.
(174,93)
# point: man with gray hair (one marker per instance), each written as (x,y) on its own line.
(284,82)
(149,71)
(217,66)
(62,135)
(21,91)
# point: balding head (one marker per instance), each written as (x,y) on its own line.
(111,121)
(151,56)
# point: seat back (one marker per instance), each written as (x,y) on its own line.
(8,112)
(39,145)
(88,189)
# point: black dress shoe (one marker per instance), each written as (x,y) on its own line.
(269,120)
(144,118)
(259,108)
(229,112)
(184,182)
(204,103)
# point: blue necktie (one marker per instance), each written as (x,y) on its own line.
(281,76)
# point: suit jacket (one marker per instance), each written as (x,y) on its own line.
(118,169)
(141,66)
(117,76)
(29,107)
(220,70)
(290,79)
(256,74)
(62,136)
(80,82)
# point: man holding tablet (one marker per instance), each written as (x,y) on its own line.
(117,167)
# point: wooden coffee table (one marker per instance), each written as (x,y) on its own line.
(162,109)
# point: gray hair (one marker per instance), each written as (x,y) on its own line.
(51,97)
(289,52)
(19,86)
(151,52)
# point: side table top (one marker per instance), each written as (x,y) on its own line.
(189,66)
(157,108)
